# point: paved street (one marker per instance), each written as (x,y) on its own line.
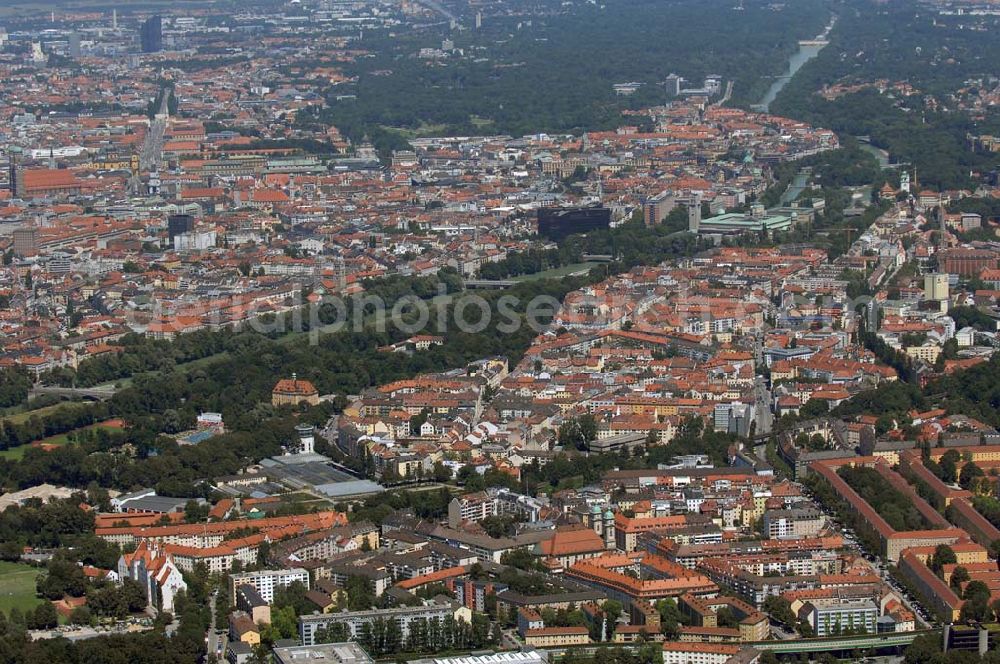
(762,409)
(508,639)
(152,147)
(216,639)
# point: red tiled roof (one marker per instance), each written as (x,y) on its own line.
(297,386)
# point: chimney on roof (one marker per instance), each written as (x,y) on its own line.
(294,381)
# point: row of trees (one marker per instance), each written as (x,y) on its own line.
(647,653)
(564,470)
(384,637)
(166,400)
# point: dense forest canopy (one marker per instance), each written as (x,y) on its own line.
(555,73)
(902,43)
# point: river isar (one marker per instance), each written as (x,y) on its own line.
(808,49)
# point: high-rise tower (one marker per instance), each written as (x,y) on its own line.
(151,34)
(13,170)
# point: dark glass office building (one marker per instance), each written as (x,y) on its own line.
(179,223)
(151,35)
(555,223)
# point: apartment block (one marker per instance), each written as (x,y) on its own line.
(265,582)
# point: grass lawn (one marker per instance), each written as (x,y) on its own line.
(478,121)
(15,453)
(424,129)
(563,271)
(297,496)
(17,587)
(306,499)
(19,415)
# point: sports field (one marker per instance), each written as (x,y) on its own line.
(17,586)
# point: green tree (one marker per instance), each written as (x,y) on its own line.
(43,617)
(16,618)
(64,577)
(441,472)
(780,609)
(284,625)
(969,477)
(949,466)
(959,576)
(578,432)
(670,618)
(360,593)
(925,649)
(943,555)
(612,611)
(814,408)
(726,617)
(977,602)
(195,512)
(80,616)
